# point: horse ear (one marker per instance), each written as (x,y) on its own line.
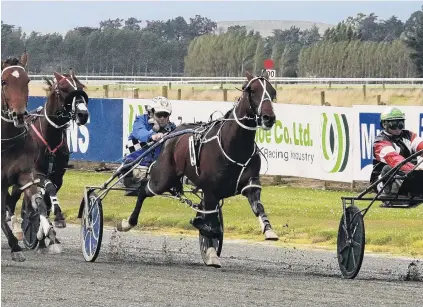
(2,64)
(24,59)
(265,74)
(72,73)
(248,75)
(58,76)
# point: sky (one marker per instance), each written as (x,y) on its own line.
(61,16)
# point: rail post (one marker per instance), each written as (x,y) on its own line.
(322,98)
(225,95)
(136,94)
(164,91)
(179,94)
(106,90)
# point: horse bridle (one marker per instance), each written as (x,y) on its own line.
(256,110)
(6,114)
(69,101)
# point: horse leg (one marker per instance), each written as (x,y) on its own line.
(12,200)
(132,221)
(210,228)
(158,183)
(51,198)
(17,254)
(252,192)
(36,199)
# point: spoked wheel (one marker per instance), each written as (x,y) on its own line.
(30,225)
(351,242)
(207,241)
(91,228)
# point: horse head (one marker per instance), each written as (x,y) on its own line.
(14,90)
(71,99)
(260,93)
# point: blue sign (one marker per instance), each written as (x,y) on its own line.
(101,138)
(421,125)
(369,125)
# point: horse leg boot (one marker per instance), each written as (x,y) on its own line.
(132,221)
(46,228)
(253,196)
(51,194)
(17,254)
(12,199)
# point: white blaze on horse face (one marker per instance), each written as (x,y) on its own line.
(82,107)
(15,74)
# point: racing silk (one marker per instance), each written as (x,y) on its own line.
(392,150)
(141,134)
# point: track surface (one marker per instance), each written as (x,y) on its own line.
(141,269)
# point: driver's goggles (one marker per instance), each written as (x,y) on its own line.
(396,124)
(161,114)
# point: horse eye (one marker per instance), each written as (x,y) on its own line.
(3,82)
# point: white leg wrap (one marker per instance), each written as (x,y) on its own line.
(44,224)
(54,202)
(261,224)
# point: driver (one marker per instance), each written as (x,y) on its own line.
(146,128)
(393,145)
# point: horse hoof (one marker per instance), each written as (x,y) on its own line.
(270,235)
(212,258)
(123,226)
(60,224)
(55,249)
(18,256)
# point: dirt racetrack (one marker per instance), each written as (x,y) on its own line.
(140,269)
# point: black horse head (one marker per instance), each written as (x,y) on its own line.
(71,99)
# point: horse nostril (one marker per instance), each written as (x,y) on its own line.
(266,118)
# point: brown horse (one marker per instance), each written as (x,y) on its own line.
(17,165)
(66,102)
(228,162)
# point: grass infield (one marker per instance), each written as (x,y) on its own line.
(300,216)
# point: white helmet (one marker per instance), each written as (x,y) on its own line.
(161,104)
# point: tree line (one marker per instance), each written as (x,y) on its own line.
(360,46)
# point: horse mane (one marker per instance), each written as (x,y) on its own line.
(12,61)
(228,113)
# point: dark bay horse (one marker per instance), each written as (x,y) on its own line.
(18,157)
(228,161)
(65,103)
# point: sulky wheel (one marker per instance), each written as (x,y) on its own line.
(91,228)
(351,242)
(30,224)
(216,242)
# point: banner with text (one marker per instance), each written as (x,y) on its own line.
(306,141)
(101,138)
(367,126)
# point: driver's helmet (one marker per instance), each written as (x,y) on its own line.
(393,117)
(161,104)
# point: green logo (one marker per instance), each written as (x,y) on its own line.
(132,114)
(335,142)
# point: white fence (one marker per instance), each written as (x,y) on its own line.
(214,80)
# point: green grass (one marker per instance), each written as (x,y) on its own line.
(300,216)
